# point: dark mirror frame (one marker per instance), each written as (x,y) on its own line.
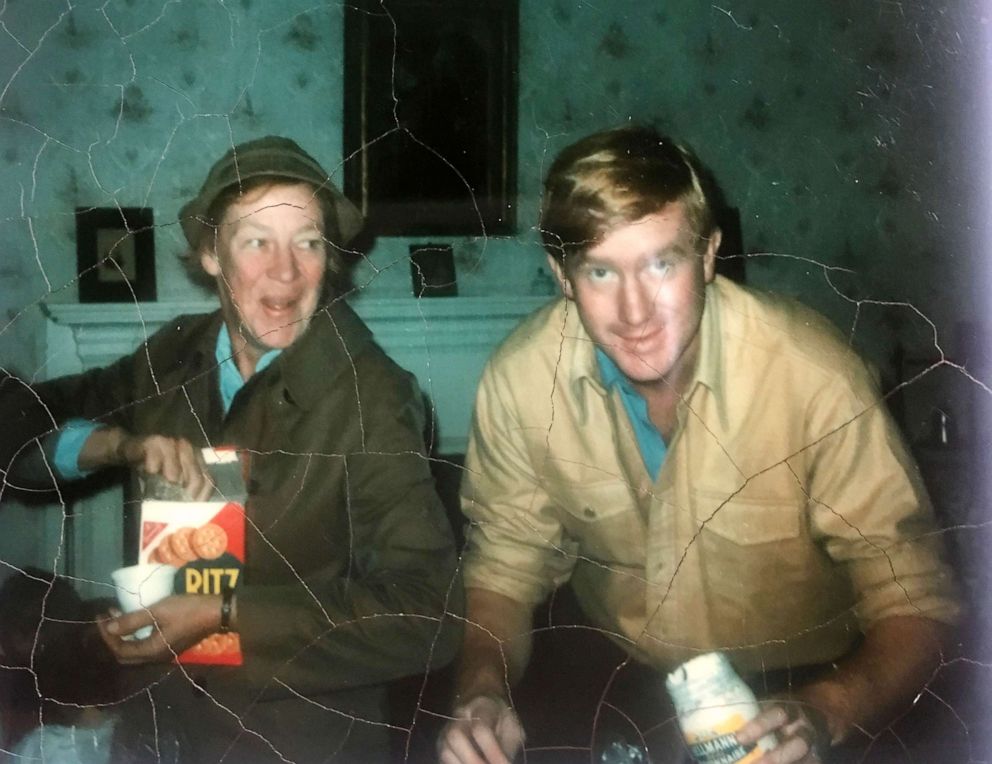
(430,115)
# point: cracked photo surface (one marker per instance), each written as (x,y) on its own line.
(445,380)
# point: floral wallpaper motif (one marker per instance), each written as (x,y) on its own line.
(826,123)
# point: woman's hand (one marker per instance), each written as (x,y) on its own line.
(178,622)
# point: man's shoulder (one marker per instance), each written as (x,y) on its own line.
(782,330)
(181,350)
(537,339)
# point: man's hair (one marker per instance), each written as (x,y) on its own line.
(615,177)
(209,228)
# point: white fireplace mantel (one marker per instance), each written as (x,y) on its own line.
(443,341)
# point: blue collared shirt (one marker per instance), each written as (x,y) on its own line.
(74,433)
(649,441)
(230,377)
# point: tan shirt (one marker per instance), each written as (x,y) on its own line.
(787,515)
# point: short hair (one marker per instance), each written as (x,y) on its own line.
(210,223)
(615,177)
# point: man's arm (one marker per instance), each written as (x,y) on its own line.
(891,552)
(898,656)
(494,654)
(496,646)
(868,689)
(26,425)
(512,561)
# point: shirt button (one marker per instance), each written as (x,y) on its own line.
(589,512)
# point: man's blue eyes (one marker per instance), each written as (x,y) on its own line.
(657,267)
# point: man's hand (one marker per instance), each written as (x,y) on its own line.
(495,650)
(801,730)
(174,459)
(484,731)
(865,691)
(177,622)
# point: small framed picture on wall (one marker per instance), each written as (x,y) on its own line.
(115,254)
(432,270)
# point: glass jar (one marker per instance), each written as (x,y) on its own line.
(713,702)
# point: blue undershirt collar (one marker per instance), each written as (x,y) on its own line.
(649,441)
(230,377)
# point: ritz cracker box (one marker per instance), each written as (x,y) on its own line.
(205,540)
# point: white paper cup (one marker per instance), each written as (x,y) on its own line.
(141,586)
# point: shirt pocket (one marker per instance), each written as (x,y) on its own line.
(749,521)
(760,568)
(750,544)
(602,518)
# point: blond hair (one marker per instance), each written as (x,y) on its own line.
(616,177)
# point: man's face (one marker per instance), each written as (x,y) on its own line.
(640,295)
(269,265)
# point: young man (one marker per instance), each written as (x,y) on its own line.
(348,576)
(709,466)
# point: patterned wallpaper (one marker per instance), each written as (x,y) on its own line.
(829,125)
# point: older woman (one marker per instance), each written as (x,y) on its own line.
(349,558)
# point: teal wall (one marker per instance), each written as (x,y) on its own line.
(831,126)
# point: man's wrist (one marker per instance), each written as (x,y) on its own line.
(830,699)
(66,448)
(485,684)
(465,698)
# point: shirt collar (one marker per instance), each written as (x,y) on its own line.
(578,353)
(330,346)
(231,380)
(709,368)
(586,370)
(609,372)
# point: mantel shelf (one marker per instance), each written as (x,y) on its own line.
(443,341)
(441,308)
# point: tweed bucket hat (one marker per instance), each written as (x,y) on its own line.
(275,156)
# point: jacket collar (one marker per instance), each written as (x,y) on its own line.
(335,337)
(194,349)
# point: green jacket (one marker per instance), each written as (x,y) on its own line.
(350,577)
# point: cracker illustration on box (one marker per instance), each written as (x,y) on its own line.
(204,539)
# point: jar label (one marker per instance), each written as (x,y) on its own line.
(723,749)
